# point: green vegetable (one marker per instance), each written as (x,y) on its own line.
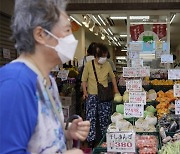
(170,148)
(120,108)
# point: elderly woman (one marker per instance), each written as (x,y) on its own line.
(31,118)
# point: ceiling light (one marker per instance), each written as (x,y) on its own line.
(91,29)
(118,18)
(148,23)
(121,57)
(96,20)
(87,24)
(85,20)
(115,38)
(110,31)
(119,43)
(124,50)
(139,17)
(123,35)
(101,20)
(172,18)
(106,31)
(103,36)
(76,20)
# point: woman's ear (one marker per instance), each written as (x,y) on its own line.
(39,35)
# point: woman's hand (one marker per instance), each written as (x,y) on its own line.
(85,95)
(74,151)
(79,129)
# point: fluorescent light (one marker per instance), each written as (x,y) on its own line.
(139,17)
(115,43)
(115,38)
(121,57)
(124,50)
(106,31)
(119,43)
(76,20)
(96,20)
(101,20)
(110,31)
(148,23)
(118,18)
(172,18)
(123,35)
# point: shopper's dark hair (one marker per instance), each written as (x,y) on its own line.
(91,49)
(101,49)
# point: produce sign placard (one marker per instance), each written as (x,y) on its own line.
(63,74)
(173,74)
(166,58)
(137,97)
(137,62)
(134,85)
(133,55)
(136,72)
(120,141)
(177,107)
(177,90)
(133,109)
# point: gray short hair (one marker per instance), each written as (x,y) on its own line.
(28,14)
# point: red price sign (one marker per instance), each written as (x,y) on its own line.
(134,85)
(137,97)
(120,141)
(177,90)
(133,109)
(177,107)
(136,72)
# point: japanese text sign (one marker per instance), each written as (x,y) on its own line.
(137,97)
(120,141)
(174,74)
(63,74)
(166,58)
(134,85)
(136,72)
(133,109)
(177,107)
(137,62)
(177,90)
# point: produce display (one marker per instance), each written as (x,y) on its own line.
(162,82)
(170,147)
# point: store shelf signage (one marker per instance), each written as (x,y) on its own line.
(133,55)
(136,72)
(120,141)
(166,58)
(137,62)
(134,85)
(63,74)
(136,46)
(177,90)
(177,107)
(174,74)
(137,97)
(133,109)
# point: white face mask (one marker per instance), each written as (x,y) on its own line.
(102,60)
(65,48)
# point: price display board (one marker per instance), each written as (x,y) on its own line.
(137,97)
(63,74)
(166,58)
(177,107)
(134,85)
(136,72)
(177,90)
(133,109)
(137,62)
(174,74)
(120,142)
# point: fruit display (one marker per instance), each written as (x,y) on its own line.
(170,148)
(162,82)
(164,99)
(118,98)
(147,144)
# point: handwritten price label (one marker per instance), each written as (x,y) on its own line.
(136,72)
(177,90)
(137,97)
(120,141)
(166,58)
(133,109)
(137,62)
(133,55)
(134,85)
(174,74)
(177,107)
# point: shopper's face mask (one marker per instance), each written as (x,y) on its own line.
(102,60)
(65,48)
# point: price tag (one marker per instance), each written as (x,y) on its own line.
(137,97)
(158,53)
(144,71)
(136,46)
(174,74)
(137,62)
(133,109)
(120,141)
(63,74)
(166,58)
(136,72)
(177,107)
(177,90)
(134,85)
(133,55)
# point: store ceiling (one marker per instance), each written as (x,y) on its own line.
(118,27)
